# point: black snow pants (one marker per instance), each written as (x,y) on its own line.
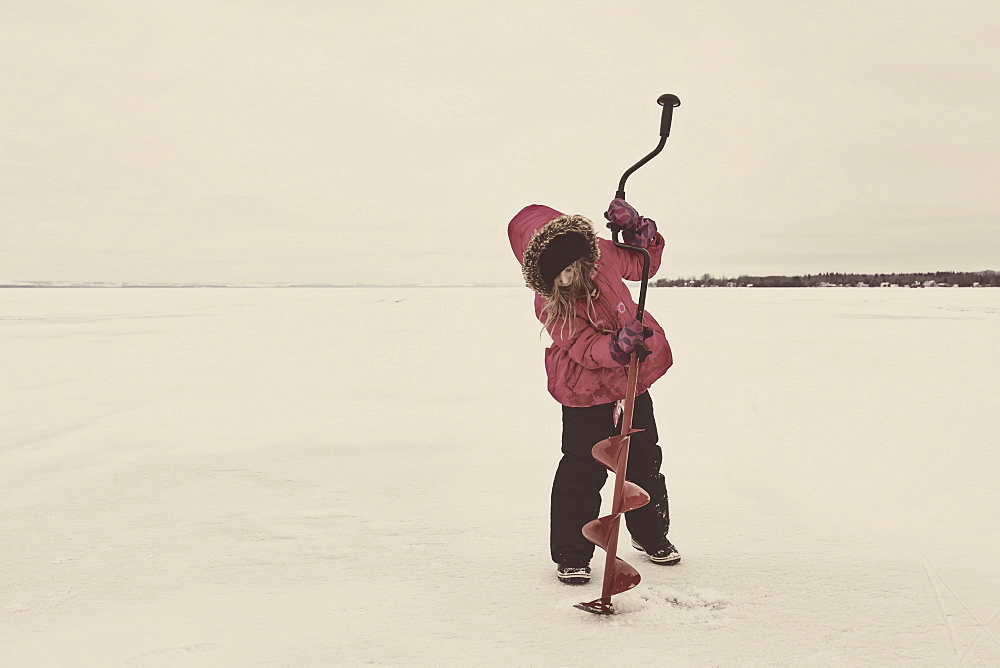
(576,490)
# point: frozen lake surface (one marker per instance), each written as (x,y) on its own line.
(287,477)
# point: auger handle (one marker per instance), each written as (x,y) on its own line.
(668,101)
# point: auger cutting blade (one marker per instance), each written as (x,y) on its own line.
(624,578)
(598,607)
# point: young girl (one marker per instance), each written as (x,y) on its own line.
(587,309)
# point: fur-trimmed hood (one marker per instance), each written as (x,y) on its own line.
(531,231)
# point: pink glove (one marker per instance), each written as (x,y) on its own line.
(624,341)
(636,230)
(622,214)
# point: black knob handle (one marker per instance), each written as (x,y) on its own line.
(668,102)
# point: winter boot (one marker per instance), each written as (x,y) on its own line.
(665,553)
(573,573)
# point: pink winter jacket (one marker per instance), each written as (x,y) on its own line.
(579,366)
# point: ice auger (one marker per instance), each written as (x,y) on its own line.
(613,452)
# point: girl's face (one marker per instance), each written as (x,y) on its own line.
(567,277)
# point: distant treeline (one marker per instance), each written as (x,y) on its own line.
(963,279)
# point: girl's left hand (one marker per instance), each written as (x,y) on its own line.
(622,214)
(636,230)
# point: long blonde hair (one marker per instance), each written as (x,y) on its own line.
(560,306)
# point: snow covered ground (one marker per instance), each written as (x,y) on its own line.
(287,477)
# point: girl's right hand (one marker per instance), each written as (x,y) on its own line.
(625,340)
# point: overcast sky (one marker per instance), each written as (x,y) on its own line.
(383,142)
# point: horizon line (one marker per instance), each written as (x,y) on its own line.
(251,285)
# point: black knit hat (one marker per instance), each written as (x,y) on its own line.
(562,251)
(544,226)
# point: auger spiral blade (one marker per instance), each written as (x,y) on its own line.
(608,452)
(632,497)
(599,531)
